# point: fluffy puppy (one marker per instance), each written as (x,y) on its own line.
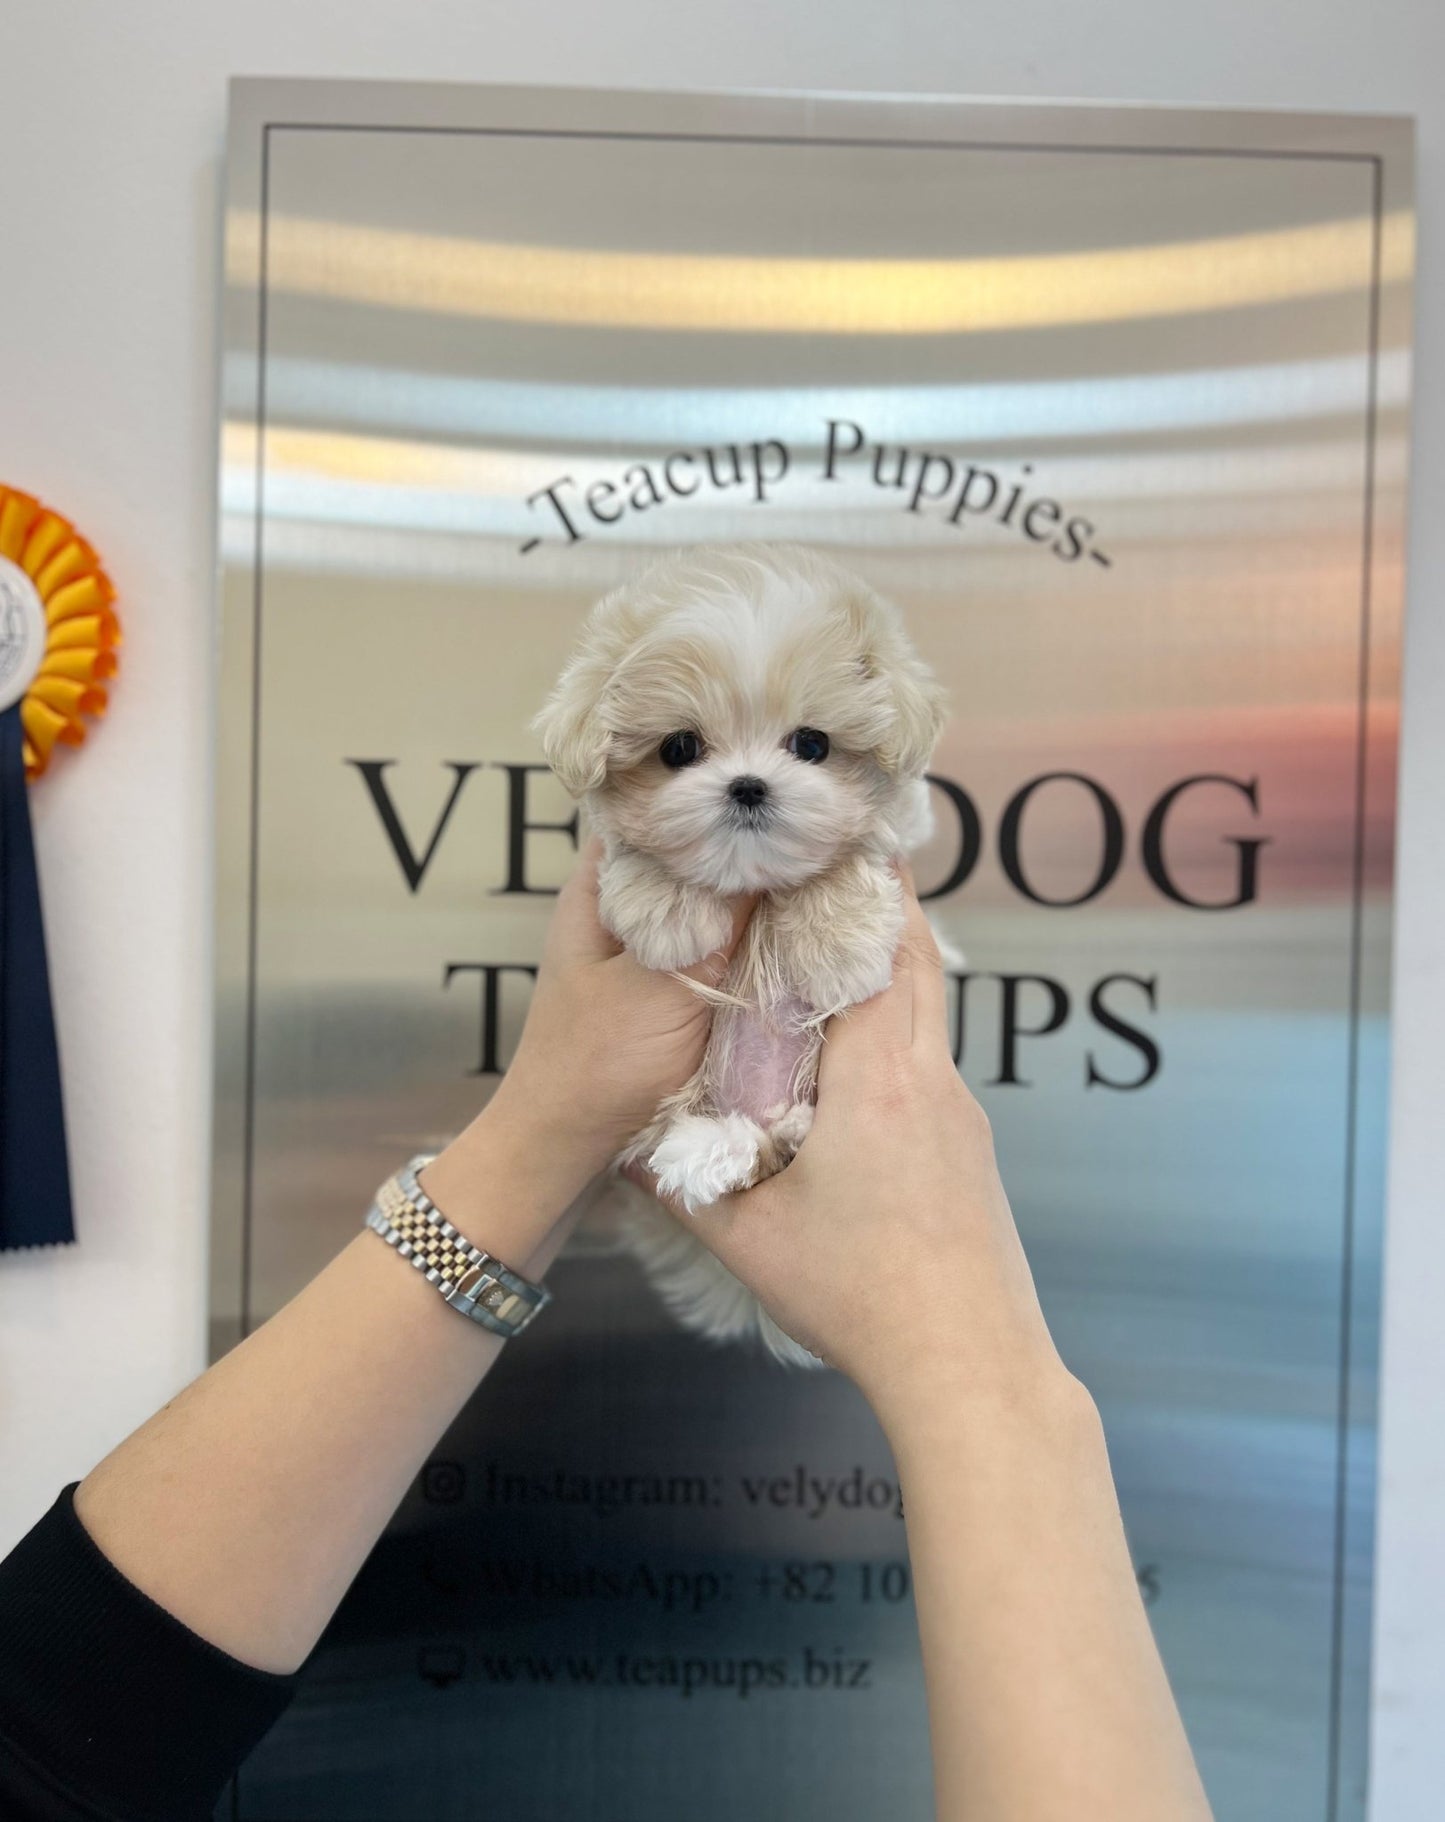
(745,720)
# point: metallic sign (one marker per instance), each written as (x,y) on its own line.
(1114,402)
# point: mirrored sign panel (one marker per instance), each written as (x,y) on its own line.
(1113,402)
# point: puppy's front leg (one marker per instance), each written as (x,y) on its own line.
(664,923)
(836,934)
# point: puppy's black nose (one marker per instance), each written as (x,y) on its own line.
(748,791)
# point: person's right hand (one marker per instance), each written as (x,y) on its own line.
(887,1246)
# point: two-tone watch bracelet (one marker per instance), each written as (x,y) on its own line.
(471,1281)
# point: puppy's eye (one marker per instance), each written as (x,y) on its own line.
(808,744)
(680,750)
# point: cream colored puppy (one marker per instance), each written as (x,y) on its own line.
(735,721)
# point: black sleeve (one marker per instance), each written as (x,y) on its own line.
(110,1709)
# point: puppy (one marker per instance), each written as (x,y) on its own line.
(735,721)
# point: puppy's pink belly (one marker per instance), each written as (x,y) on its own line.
(761,1060)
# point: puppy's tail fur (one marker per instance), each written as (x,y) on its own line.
(699,1291)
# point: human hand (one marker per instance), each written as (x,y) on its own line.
(887,1246)
(605,1041)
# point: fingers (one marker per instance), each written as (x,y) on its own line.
(925,972)
(727,1227)
(911,1009)
(576,928)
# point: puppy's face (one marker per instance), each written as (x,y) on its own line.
(742,716)
(742,768)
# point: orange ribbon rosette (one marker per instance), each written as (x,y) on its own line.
(58,634)
(58,627)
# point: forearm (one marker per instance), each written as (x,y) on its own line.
(1047,1698)
(246,1506)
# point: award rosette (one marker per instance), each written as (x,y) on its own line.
(58,638)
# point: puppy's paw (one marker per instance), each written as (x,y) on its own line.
(837,976)
(788,1132)
(838,934)
(664,923)
(701,1158)
(699,925)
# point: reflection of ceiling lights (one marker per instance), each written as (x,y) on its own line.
(451,276)
(985,415)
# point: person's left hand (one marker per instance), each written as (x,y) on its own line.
(605,1041)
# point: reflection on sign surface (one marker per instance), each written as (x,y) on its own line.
(1114,404)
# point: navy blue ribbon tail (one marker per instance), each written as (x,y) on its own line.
(34,1169)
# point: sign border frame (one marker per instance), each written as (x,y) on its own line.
(261,107)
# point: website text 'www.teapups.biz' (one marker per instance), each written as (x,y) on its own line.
(683,1675)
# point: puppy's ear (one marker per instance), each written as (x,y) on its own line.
(573,736)
(918,710)
(574,732)
(887,658)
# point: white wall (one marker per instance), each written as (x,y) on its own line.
(111,124)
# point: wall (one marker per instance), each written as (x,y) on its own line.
(111,127)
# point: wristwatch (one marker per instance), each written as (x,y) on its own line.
(470,1280)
